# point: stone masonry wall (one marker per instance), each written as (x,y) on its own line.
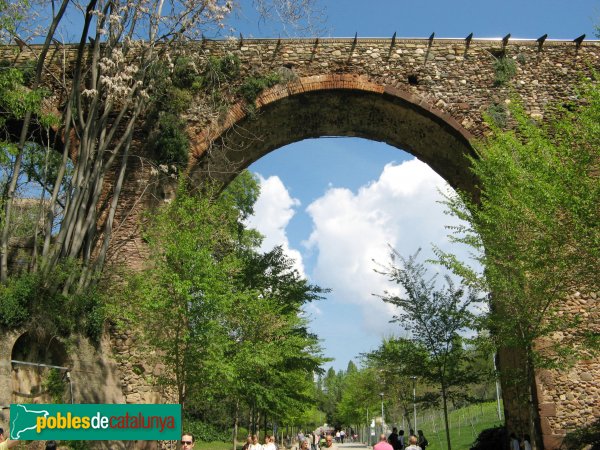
(453,78)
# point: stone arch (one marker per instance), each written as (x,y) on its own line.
(333,105)
(30,356)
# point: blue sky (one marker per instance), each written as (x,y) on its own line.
(335,203)
(381,18)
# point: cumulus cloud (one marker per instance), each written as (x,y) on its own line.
(352,233)
(273,210)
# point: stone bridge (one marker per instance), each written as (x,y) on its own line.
(424,96)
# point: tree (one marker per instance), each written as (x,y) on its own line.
(225,321)
(396,361)
(535,230)
(106,96)
(436,317)
(360,397)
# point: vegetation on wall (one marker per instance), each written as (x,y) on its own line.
(504,70)
(55,385)
(253,86)
(497,113)
(29,302)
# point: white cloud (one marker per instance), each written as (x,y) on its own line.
(272,212)
(351,230)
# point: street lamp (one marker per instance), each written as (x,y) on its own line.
(414,378)
(382,421)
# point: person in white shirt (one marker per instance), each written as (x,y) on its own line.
(255,444)
(526,442)
(514,442)
(412,441)
(269,444)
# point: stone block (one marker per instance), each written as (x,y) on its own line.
(547,409)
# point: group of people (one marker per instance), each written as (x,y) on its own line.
(396,441)
(252,443)
(525,443)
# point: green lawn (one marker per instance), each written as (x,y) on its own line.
(465,425)
(215,446)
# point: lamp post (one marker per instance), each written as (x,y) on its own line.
(382,421)
(414,378)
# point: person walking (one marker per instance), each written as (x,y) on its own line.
(514,442)
(526,442)
(383,443)
(401,440)
(314,443)
(422,440)
(412,443)
(393,439)
(187,441)
(329,443)
(255,444)
(269,443)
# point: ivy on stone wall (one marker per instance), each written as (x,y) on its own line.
(174,92)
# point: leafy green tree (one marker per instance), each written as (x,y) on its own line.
(224,320)
(536,231)
(436,317)
(360,397)
(396,361)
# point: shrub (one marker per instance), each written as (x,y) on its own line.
(491,439)
(169,142)
(253,86)
(206,432)
(505,68)
(497,114)
(584,437)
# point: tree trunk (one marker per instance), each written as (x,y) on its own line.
(235,423)
(446,422)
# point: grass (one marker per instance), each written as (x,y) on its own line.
(215,446)
(465,425)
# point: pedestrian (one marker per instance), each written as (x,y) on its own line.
(6,443)
(315,441)
(393,439)
(514,442)
(401,440)
(329,443)
(383,443)
(422,440)
(304,445)
(187,441)
(412,441)
(342,435)
(526,442)
(269,443)
(255,444)
(248,443)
